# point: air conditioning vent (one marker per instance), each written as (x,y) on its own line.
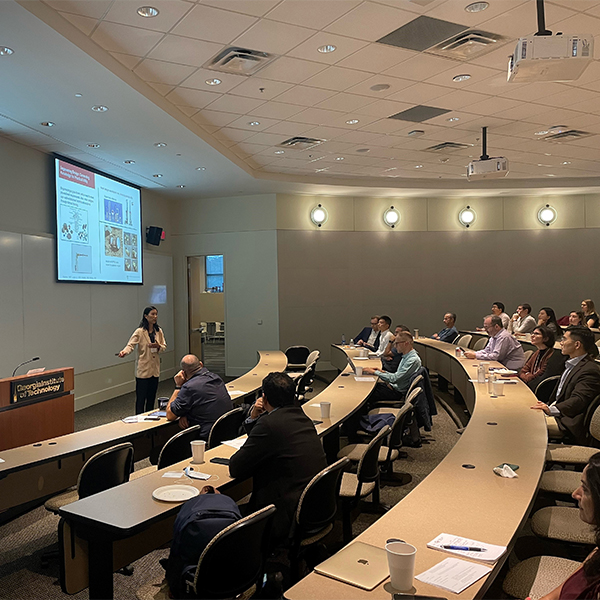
(447,146)
(567,136)
(468,44)
(239,61)
(301,143)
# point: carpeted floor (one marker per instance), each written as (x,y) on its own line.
(27,537)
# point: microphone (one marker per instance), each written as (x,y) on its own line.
(25,363)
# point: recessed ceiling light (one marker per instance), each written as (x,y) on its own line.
(213,81)
(160,145)
(352,122)
(476,7)
(557,129)
(78,95)
(99,108)
(147,11)
(364,150)
(391,169)
(181,186)
(467,216)
(93,145)
(157,175)
(47,123)
(254,123)
(453,119)
(462,77)
(542,165)
(129,162)
(444,160)
(391,217)
(326,48)
(547,154)
(321,170)
(566,162)
(200,168)
(547,215)
(279,152)
(550,175)
(339,158)
(416,133)
(543,132)
(6,51)
(380,87)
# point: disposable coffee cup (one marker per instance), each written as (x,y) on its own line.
(364,352)
(359,371)
(401,561)
(198,451)
(498,388)
(416,336)
(325,410)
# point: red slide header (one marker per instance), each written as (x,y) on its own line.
(75,174)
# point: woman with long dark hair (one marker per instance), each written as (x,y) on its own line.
(149,339)
(585,582)
(547,317)
(545,362)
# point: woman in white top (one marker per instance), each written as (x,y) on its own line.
(149,339)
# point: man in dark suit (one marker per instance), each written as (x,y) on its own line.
(578,385)
(282,453)
(369,336)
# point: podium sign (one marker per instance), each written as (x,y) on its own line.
(37,387)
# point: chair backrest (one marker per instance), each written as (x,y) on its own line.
(178,447)
(317,506)
(399,424)
(226,427)
(480,344)
(527,354)
(598,342)
(589,415)
(304,381)
(368,467)
(416,380)
(234,559)
(297,355)
(464,340)
(313,357)
(595,424)
(105,470)
(544,389)
(455,340)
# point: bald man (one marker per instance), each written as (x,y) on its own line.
(200,397)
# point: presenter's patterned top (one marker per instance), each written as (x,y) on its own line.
(148,362)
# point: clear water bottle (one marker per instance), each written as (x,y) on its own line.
(480,373)
(343,340)
(352,341)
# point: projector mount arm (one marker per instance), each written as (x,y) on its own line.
(484,154)
(541,18)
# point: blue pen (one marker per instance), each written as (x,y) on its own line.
(465,548)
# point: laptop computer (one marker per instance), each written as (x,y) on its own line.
(358,564)
(352,365)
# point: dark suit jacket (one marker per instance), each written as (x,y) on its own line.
(363,335)
(282,454)
(580,388)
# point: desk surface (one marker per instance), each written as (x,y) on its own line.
(474,503)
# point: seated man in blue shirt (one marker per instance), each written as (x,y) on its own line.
(393,386)
(449,333)
(391,357)
(200,397)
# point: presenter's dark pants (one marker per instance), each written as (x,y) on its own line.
(145,394)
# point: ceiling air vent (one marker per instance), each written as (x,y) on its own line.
(301,143)
(239,61)
(468,44)
(446,146)
(567,136)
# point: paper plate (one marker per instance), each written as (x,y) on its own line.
(360,358)
(175,493)
(505,372)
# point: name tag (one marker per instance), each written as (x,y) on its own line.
(154,350)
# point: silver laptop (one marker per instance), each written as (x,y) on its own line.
(358,564)
(352,365)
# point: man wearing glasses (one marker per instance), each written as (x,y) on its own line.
(369,336)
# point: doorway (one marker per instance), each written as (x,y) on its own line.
(206,310)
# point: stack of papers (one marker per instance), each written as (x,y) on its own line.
(454,575)
(237,443)
(356,378)
(451,543)
(134,419)
(234,393)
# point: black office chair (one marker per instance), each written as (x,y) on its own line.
(226,427)
(544,389)
(233,561)
(303,384)
(297,356)
(316,512)
(362,484)
(178,447)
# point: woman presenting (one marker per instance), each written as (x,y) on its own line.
(149,339)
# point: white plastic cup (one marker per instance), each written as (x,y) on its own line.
(401,561)
(359,371)
(325,410)
(198,451)
(364,352)
(416,336)
(498,388)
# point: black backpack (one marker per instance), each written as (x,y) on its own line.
(197,523)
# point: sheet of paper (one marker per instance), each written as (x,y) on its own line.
(234,393)
(364,378)
(173,474)
(2,460)
(360,358)
(237,443)
(454,575)
(316,405)
(134,419)
(491,553)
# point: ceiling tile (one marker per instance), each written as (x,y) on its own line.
(235,104)
(126,59)
(385,126)
(88,8)
(453,11)
(370,21)
(277,110)
(84,24)
(170,11)
(289,128)
(188,110)
(237,135)
(212,117)
(122,38)
(316,116)
(326,133)
(419,93)
(364,87)
(213,25)
(344,47)
(337,78)
(257,8)
(304,95)
(201,76)
(291,70)
(362,120)
(188,97)
(274,37)
(569,98)
(589,106)
(265,89)
(383,108)
(418,66)
(311,13)
(162,89)
(157,71)
(345,102)
(244,123)
(478,74)
(358,137)
(459,99)
(494,86)
(185,51)
(492,106)
(376,58)
(268,139)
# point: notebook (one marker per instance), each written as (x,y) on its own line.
(358,564)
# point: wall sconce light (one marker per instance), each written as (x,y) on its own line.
(318,215)
(547,215)
(467,216)
(391,217)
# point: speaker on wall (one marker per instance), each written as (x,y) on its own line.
(153,235)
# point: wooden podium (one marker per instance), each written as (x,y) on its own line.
(36,407)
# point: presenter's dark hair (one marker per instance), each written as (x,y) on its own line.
(547,334)
(591,567)
(500,305)
(144,322)
(279,389)
(586,337)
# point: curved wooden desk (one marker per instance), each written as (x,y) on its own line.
(474,503)
(39,470)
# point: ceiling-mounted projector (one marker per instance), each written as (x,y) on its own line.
(486,167)
(550,58)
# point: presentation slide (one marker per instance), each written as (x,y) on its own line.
(98,220)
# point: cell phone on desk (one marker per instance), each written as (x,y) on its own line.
(219,461)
